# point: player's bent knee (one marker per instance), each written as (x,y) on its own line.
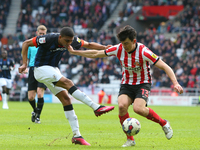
(31,98)
(122,108)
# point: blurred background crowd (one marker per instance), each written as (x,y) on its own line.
(176,40)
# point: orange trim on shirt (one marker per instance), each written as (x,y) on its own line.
(82,43)
(34,41)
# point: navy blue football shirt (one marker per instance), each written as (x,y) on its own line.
(49,51)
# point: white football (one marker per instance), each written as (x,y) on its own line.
(131,126)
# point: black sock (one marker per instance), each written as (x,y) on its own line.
(40,106)
(33,105)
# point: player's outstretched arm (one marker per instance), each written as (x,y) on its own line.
(25,46)
(96,46)
(87,53)
(162,65)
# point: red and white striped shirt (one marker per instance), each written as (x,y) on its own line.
(135,65)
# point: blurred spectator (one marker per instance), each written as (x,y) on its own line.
(105,79)
(4,40)
(20,83)
(21,37)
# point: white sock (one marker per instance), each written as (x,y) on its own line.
(85,99)
(4,98)
(73,121)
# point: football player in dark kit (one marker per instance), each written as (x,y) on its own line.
(51,48)
(6,65)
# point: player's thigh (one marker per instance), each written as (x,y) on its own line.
(3,82)
(54,89)
(9,83)
(126,95)
(32,82)
(40,90)
(142,94)
(41,86)
(139,103)
(124,101)
(47,74)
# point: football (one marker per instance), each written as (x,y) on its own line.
(131,126)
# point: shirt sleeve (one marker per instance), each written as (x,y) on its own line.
(40,40)
(77,43)
(112,51)
(150,56)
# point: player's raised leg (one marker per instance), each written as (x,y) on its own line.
(81,96)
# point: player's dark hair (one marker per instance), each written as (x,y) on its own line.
(127,32)
(67,31)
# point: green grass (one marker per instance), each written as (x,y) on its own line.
(17,132)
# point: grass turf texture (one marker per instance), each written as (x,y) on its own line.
(17,132)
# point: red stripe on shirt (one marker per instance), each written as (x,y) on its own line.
(119,53)
(133,66)
(126,65)
(141,62)
(111,49)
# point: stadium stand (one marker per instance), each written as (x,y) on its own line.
(176,40)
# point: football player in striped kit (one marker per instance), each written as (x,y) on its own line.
(135,59)
(6,65)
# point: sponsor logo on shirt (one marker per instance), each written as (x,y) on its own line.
(154,55)
(78,40)
(58,49)
(137,67)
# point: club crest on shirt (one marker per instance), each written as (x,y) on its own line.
(137,63)
(42,40)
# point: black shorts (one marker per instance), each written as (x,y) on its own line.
(136,91)
(33,84)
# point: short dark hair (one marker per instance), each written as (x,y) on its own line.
(67,31)
(127,32)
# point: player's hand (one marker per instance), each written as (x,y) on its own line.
(25,71)
(178,88)
(22,68)
(70,49)
(108,46)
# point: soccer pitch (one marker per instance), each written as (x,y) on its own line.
(17,132)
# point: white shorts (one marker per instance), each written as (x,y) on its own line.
(48,75)
(6,82)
